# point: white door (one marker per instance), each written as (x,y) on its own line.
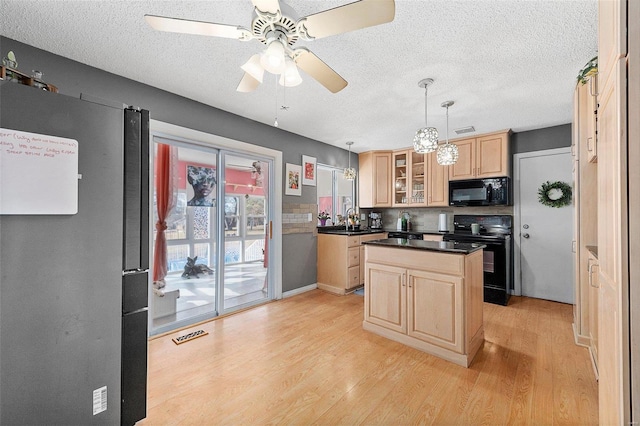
(543,235)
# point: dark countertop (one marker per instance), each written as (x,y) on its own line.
(417,232)
(334,230)
(340,230)
(441,246)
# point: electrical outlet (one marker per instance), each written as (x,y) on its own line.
(99,400)
(363,216)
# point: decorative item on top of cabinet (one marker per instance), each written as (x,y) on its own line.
(482,157)
(374,182)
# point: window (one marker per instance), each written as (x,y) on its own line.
(335,194)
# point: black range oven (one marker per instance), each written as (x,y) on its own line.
(495,232)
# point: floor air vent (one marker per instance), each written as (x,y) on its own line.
(187,337)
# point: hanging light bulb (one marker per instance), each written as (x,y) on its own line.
(447,153)
(254,68)
(426,138)
(273,58)
(349,172)
(290,76)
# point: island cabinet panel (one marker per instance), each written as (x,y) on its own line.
(386,297)
(431,300)
(436,309)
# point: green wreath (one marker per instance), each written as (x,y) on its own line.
(556,194)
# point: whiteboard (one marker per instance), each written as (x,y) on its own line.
(38,174)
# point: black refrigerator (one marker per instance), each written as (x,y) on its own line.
(74,287)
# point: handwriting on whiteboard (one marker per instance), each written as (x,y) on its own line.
(16,143)
(38,173)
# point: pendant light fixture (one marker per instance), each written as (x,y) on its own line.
(426,138)
(349,172)
(447,152)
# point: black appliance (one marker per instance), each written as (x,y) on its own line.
(74,286)
(405,235)
(496,234)
(480,192)
(135,265)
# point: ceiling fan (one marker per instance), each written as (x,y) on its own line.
(276,25)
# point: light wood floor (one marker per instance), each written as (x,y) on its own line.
(306,360)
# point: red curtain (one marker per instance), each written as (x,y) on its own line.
(165,200)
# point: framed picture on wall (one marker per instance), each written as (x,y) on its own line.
(293,180)
(308,170)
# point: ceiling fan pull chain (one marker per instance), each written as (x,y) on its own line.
(275,123)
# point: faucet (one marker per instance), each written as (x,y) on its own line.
(347,221)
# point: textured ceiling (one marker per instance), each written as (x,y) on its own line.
(505,63)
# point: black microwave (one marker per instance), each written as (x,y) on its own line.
(480,192)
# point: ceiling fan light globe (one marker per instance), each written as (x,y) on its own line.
(290,77)
(254,68)
(273,59)
(447,154)
(425,140)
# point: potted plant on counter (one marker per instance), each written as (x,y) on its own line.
(322,217)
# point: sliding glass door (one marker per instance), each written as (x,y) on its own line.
(246,226)
(211,214)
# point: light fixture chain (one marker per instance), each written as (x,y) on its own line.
(276,122)
(447,125)
(425,105)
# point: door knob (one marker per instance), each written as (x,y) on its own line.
(525,235)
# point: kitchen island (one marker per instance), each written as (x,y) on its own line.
(427,295)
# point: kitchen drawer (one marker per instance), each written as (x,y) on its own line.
(353,277)
(372,237)
(353,240)
(354,256)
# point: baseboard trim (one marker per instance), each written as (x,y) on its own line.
(299,290)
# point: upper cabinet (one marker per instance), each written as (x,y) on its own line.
(418,180)
(374,181)
(482,157)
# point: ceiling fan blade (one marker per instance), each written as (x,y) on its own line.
(316,68)
(353,16)
(271,6)
(247,84)
(186,26)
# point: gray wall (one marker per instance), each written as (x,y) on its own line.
(73,78)
(541,139)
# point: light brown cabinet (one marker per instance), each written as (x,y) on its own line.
(418,180)
(586,210)
(340,261)
(431,301)
(374,180)
(482,157)
(594,296)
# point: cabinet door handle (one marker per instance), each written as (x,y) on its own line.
(591,265)
(404,280)
(589,141)
(593,81)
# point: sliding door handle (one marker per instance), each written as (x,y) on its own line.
(270,229)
